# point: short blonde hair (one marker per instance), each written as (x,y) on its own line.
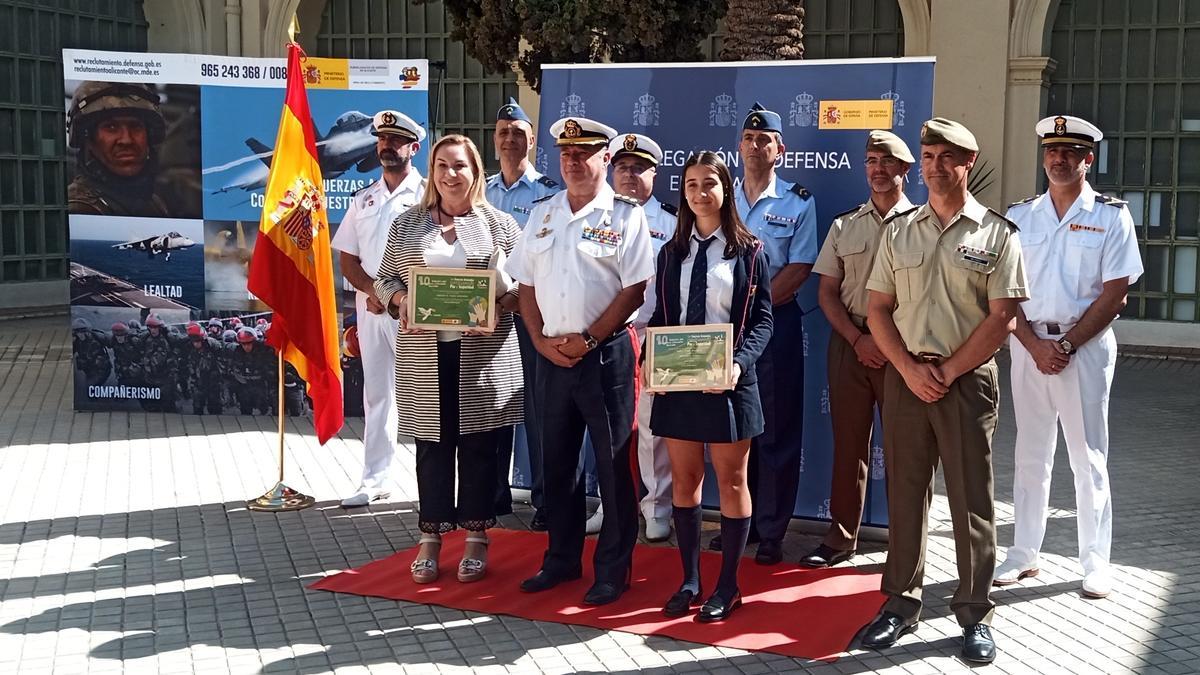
(477,193)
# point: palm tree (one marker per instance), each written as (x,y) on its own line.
(764,30)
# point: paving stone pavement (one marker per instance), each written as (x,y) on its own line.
(125,546)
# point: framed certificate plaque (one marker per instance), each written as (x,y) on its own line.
(451,299)
(689,358)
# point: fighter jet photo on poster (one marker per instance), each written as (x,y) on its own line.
(137,262)
(235,171)
(161,244)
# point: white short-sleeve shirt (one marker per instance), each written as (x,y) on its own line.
(578,262)
(1069,259)
(364,229)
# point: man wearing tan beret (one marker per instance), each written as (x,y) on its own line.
(944,292)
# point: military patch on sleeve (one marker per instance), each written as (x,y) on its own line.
(548,182)
(670,208)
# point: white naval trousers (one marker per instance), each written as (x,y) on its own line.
(377,341)
(654,463)
(1078,399)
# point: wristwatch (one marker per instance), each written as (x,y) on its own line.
(588,340)
(1066,345)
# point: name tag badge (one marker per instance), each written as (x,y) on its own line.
(602,235)
(974,259)
(1078,227)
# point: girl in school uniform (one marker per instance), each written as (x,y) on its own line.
(712,271)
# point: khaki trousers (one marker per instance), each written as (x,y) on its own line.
(956,431)
(854,391)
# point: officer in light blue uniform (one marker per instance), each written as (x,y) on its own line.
(518,185)
(784,216)
(514,191)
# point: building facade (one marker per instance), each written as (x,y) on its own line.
(1132,67)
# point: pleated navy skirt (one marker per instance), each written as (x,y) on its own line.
(734,415)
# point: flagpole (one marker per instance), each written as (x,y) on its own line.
(281,497)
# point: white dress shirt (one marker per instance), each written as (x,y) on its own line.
(718,302)
(578,262)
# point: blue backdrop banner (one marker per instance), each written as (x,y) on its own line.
(827,107)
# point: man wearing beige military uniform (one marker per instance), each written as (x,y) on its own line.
(943,298)
(855,362)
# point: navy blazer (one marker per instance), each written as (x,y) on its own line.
(750,311)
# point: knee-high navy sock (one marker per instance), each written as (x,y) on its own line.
(733,544)
(687,534)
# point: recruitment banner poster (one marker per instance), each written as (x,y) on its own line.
(827,107)
(168,157)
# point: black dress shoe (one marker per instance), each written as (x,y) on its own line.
(978,645)
(682,602)
(538,523)
(770,552)
(886,630)
(603,593)
(719,609)
(544,580)
(714,544)
(823,556)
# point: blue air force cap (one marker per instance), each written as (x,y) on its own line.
(761,119)
(513,111)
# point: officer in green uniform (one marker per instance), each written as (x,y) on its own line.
(90,355)
(944,292)
(159,363)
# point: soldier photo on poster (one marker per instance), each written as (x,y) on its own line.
(171,361)
(135,149)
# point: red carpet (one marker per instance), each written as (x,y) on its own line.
(788,609)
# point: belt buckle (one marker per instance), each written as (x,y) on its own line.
(1052,328)
(929,357)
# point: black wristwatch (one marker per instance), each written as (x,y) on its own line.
(588,340)
(1066,345)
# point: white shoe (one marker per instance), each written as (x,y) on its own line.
(1097,584)
(1010,572)
(364,496)
(595,521)
(658,529)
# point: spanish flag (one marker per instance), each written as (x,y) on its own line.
(292,267)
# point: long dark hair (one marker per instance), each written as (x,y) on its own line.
(738,238)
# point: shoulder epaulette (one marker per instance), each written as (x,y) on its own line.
(848,212)
(1110,200)
(800,191)
(1027,200)
(670,208)
(548,182)
(539,200)
(898,214)
(355,193)
(999,215)
(627,200)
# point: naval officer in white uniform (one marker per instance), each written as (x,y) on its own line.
(1081,254)
(360,239)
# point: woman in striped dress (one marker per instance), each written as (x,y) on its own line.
(454,391)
